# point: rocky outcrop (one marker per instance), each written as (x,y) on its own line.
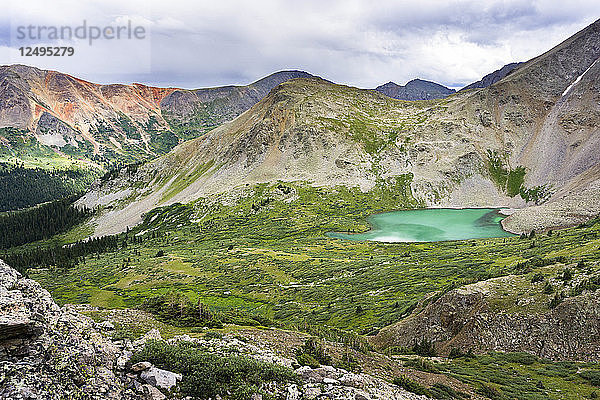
(324,382)
(470,318)
(51,353)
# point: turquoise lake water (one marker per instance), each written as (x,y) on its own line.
(431,225)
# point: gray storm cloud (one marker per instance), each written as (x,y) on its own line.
(360,43)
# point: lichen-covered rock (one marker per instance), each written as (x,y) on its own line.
(51,353)
(325,382)
(160,378)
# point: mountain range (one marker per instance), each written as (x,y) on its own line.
(225,223)
(116,122)
(528,141)
(104,123)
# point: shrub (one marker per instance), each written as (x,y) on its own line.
(396,350)
(408,384)
(443,392)
(422,364)
(490,392)
(538,277)
(455,353)
(349,363)
(307,360)
(207,375)
(558,298)
(213,335)
(312,351)
(540,385)
(176,308)
(592,376)
(424,348)
(160,253)
(519,358)
(567,275)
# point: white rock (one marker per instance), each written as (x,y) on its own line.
(122,360)
(293,393)
(160,378)
(106,325)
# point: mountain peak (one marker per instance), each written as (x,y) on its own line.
(416,89)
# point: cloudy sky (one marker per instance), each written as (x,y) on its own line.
(198,43)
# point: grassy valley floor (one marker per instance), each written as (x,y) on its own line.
(261,254)
(266,252)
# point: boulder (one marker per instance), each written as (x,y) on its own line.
(293,393)
(106,326)
(51,353)
(141,366)
(160,378)
(152,393)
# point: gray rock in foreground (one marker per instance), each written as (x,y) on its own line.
(160,378)
(51,353)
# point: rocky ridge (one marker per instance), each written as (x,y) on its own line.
(69,115)
(51,353)
(508,314)
(493,77)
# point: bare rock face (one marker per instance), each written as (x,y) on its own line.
(493,77)
(467,318)
(15,108)
(50,353)
(58,110)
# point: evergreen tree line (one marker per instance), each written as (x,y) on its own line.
(61,256)
(22,187)
(41,222)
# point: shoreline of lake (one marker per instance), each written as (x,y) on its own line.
(431,225)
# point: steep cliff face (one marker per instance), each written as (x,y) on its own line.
(505,314)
